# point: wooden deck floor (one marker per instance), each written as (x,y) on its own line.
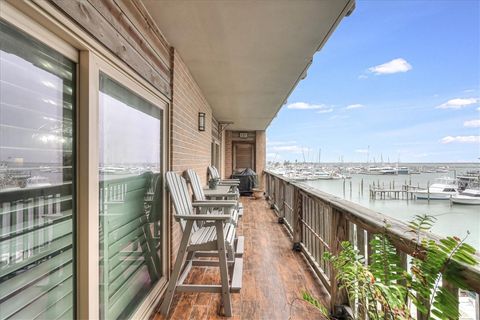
(274,276)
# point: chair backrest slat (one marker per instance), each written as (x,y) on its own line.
(196,185)
(179,195)
(213,172)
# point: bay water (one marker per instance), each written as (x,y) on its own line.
(452,219)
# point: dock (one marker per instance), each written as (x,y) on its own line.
(405,192)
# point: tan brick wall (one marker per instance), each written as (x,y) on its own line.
(257,137)
(260,155)
(228,155)
(190,148)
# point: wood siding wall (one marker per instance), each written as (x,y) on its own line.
(124,28)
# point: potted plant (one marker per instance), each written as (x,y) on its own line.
(213,183)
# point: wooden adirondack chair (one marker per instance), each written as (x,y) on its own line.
(217,235)
(199,195)
(213,174)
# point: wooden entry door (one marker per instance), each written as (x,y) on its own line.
(243,156)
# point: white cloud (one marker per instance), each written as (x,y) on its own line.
(289,149)
(394,66)
(472,123)
(327,110)
(457,103)
(337,116)
(280,143)
(461,139)
(355,106)
(362,76)
(361,151)
(305,106)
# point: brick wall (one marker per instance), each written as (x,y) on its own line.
(227,165)
(190,148)
(260,155)
(256,137)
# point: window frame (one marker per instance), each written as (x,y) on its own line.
(34,29)
(44,22)
(101,65)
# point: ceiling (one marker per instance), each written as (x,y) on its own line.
(247,56)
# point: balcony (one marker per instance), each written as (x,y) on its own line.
(275,276)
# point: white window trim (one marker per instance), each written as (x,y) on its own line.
(125,79)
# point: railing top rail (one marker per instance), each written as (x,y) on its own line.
(375,222)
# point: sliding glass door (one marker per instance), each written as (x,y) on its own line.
(130,199)
(37,179)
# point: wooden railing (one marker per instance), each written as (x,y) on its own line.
(319,222)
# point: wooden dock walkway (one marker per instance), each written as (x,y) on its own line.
(406,192)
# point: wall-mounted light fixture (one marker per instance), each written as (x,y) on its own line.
(201,121)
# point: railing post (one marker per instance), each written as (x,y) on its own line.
(281,213)
(297,219)
(339,233)
(274,193)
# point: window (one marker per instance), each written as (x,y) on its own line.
(37,179)
(130,199)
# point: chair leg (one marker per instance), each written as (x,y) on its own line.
(222,257)
(172,284)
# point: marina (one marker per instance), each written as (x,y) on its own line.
(394,195)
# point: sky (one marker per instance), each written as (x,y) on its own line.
(398,80)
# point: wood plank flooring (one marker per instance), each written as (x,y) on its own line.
(274,276)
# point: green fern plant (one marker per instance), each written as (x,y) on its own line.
(440,262)
(314,302)
(382,289)
(369,287)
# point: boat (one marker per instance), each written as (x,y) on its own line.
(402,170)
(441,170)
(387,170)
(373,170)
(323,175)
(442,189)
(468,196)
(468,179)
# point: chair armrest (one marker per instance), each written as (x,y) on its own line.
(229,182)
(227,194)
(203,217)
(214,204)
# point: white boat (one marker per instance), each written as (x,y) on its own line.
(387,170)
(373,170)
(442,189)
(323,175)
(402,170)
(468,196)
